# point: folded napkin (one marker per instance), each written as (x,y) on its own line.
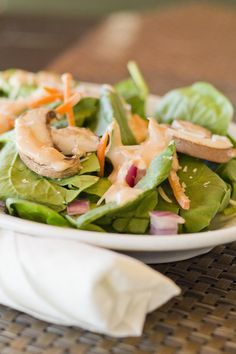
(70,283)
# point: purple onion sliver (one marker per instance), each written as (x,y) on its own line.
(78,207)
(131,175)
(164,223)
(167,214)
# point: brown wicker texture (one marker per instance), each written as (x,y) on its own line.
(202,320)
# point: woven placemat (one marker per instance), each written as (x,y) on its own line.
(202,320)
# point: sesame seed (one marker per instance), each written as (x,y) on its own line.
(190,177)
(206,184)
(185,169)
(194,170)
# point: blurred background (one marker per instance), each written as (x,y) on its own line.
(175,42)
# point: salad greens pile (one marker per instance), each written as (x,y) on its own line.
(211,187)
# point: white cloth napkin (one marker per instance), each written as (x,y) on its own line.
(70,283)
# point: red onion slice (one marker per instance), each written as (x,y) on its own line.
(164,223)
(131,175)
(78,207)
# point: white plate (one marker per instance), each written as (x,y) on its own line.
(150,249)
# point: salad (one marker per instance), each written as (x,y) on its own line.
(78,157)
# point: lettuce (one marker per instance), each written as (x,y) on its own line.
(200,104)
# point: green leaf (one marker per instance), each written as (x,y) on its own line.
(35,212)
(163,205)
(138,79)
(78,182)
(224,220)
(158,169)
(206,190)
(227,171)
(99,188)
(89,164)
(112,107)
(17,181)
(134,90)
(200,104)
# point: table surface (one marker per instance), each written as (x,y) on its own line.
(174,47)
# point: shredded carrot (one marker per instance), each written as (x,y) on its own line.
(44,100)
(178,190)
(66,79)
(72,101)
(101,152)
(51,90)
(175,163)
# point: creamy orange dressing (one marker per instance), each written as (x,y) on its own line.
(121,193)
(122,157)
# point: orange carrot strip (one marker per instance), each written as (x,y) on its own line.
(101,152)
(72,101)
(66,79)
(44,100)
(175,163)
(51,90)
(178,190)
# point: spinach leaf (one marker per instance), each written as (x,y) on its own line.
(158,169)
(200,103)
(206,190)
(162,204)
(99,188)
(35,212)
(227,172)
(17,181)
(224,220)
(112,107)
(134,90)
(78,182)
(89,164)
(157,172)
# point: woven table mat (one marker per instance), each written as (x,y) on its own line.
(201,321)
